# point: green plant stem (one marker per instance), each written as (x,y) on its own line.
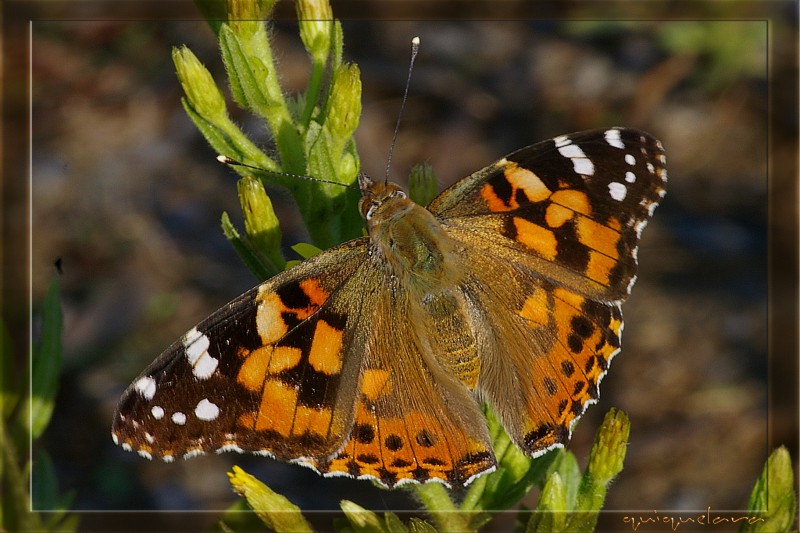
(312,92)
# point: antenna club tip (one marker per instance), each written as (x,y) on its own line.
(415,40)
(223,159)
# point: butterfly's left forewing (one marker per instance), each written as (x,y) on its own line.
(273,372)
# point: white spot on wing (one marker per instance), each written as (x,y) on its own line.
(168,458)
(193,453)
(196,345)
(230,448)
(561,140)
(630,286)
(126,447)
(144,454)
(580,163)
(157,412)
(613,138)
(630,159)
(206,410)
(115,438)
(630,177)
(617,190)
(639,227)
(179,418)
(146,387)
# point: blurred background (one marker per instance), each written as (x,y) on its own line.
(126,192)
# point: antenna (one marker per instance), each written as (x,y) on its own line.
(225,160)
(414,50)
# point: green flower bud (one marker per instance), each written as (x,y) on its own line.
(316,26)
(260,222)
(239,10)
(609,448)
(201,91)
(274,509)
(773,503)
(344,108)
(422,186)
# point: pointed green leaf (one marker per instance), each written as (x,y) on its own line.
(306,250)
(255,262)
(551,511)
(394,524)
(46,362)
(361,519)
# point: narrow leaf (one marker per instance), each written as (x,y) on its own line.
(46,362)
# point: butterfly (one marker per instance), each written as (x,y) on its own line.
(372,359)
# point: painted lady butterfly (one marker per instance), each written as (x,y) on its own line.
(372,359)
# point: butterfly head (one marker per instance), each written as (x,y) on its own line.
(380,200)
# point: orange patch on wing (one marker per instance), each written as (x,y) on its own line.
(599,267)
(518,179)
(325,355)
(373,382)
(254,368)
(276,412)
(246,420)
(284,358)
(537,238)
(556,215)
(522,178)
(614,223)
(536,309)
(599,237)
(315,292)
(575,200)
(493,202)
(269,323)
(569,297)
(311,420)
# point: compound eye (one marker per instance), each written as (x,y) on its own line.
(371,209)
